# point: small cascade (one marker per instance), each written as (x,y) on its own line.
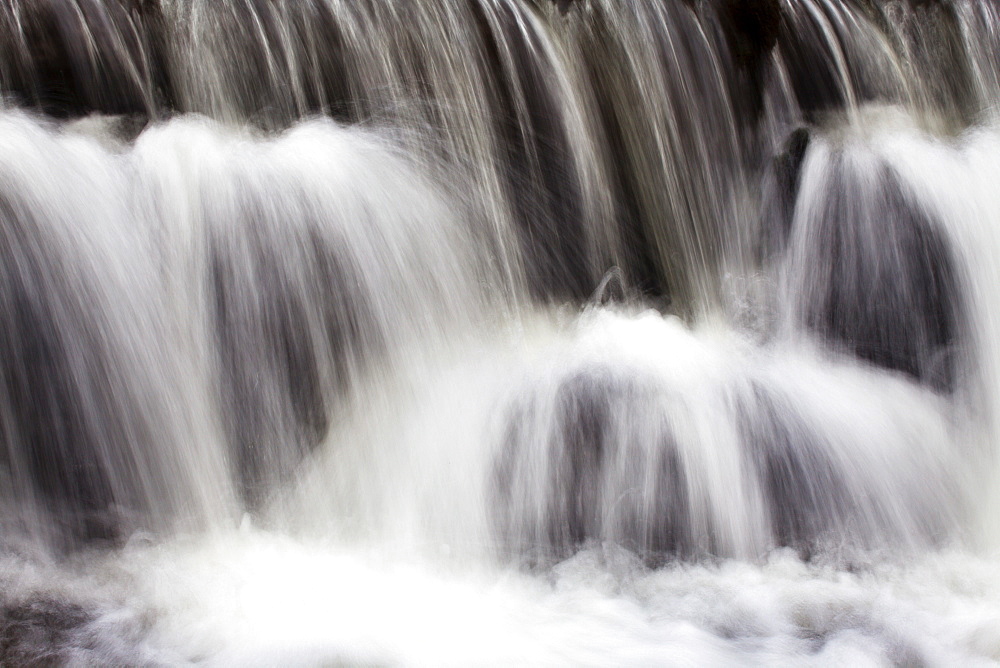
(633,331)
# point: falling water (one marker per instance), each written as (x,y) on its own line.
(496,332)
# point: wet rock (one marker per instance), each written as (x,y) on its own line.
(804,490)
(781,191)
(70,59)
(883,282)
(40,631)
(603,480)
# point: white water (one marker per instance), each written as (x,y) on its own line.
(261,599)
(281,398)
(385,546)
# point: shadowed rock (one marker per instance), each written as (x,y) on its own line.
(781,191)
(40,632)
(74,58)
(74,434)
(283,311)
(603,474)
(751,29)
(804,490)
(882,281)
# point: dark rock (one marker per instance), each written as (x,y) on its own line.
(71,59)
(530,121)
(751,28)
(65,436)
(588,496)
(781,191)
(284,300)
(884,284)
(40,631)
(804,491)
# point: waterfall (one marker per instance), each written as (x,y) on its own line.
(486,332)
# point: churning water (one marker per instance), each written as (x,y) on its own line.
(499,332)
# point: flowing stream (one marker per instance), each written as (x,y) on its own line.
(499,332)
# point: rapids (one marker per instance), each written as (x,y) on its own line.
(499,332)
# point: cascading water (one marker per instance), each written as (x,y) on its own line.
(494,332)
